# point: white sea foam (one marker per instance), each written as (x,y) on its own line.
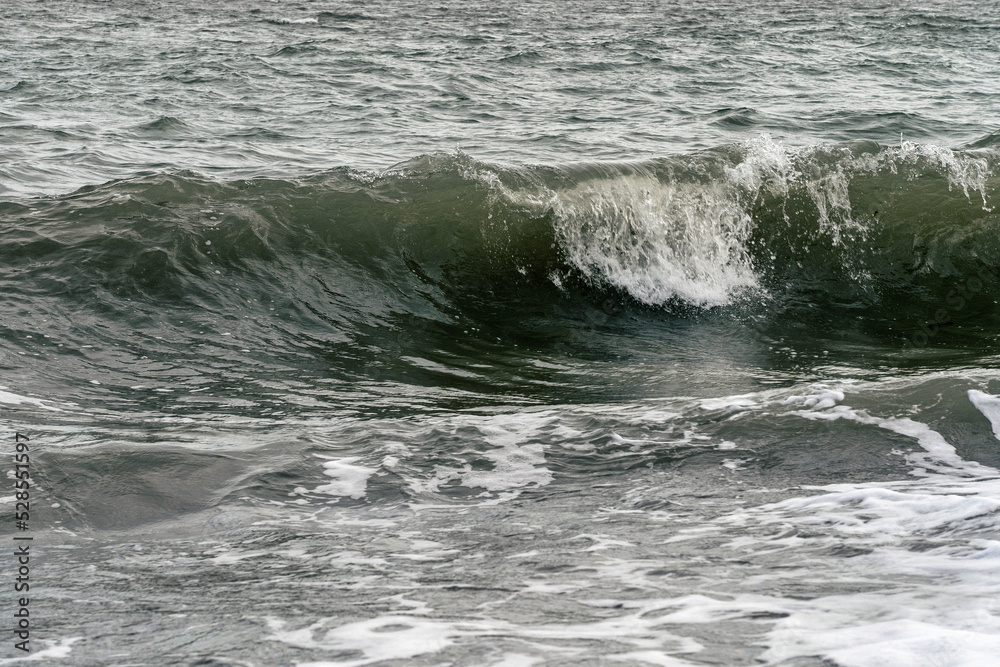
(830,631)
(16,399)
(377,639)
(516,660)
(229,557)
(56,651)
(949,623)
(303,21)
(348,479)
(910,566)
(403,637)
(820,400)
(349,558)
(516,461)
(990,407)
(822,407)
(731,403)
(657,241)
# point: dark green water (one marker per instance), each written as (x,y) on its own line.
(400,334)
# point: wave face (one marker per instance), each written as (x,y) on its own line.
(856,253)
(865,230)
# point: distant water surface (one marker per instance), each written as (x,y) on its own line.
(99,90)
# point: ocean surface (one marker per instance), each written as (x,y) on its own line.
(503,333)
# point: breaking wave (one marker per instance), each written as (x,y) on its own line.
(851,237)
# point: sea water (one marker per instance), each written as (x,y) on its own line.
(508,334)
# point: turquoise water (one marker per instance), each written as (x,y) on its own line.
(506,334)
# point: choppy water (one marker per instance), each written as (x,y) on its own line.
(504,334)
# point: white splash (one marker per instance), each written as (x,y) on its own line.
(348,479)
(658,241)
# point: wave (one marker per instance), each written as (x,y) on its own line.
(891,237)
(163,124)
(309,20)
(342,16)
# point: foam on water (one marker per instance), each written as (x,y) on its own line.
(349,479)
(910,565)
(310,20)
(10,398)
(400,637)
(515,463)
(898,643)
(823,406)
(989,406)
(947,615)
(59,650)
